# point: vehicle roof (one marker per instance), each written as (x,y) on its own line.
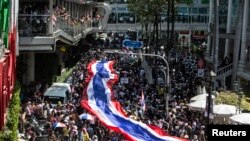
(63,84)
(57,91)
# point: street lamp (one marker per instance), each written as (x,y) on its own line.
(209,98)
(240,93)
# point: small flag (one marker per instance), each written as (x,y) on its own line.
(143,105)
(54,19)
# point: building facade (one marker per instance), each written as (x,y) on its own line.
(191,21)
(234,44)
(8,45)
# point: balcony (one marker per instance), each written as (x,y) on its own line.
(44,30)
(70,32)
(33,25)
(35,33)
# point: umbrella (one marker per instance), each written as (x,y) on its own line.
(59,124)
(197,105)
(86,116)
(200,97)
(223,109)
(243,118)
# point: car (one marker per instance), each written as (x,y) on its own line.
(58,93)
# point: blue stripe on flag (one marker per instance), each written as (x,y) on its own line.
(119,121)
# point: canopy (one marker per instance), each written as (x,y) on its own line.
(243,118)
(200,97)
(197,105)
(223,109)
(203,91)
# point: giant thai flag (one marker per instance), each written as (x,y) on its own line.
(97,99)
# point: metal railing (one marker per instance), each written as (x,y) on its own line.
(226,69)
(70,27)
(41,25)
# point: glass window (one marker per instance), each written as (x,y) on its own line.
(202,10)
(178,18)
(201,19)
(182,10)
(194,10)
(184,18)
(195,19)
(112,18)
(126,18)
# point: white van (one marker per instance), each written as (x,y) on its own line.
(58,92)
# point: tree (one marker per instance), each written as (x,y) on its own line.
(172,23)
(189,3)
(171,10)
(147,11)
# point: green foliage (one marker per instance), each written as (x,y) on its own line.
(188,2)
(141,9)
(232,99)
(10,133)
(64,76)
(205,1)
(145,9)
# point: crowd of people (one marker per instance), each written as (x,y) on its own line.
(180,122)
(62,13)
(34,18)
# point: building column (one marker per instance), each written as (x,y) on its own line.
(229,19)
(189,39)
(243,37)
(211,21)
(237,40)
(50,26)
(30,76)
